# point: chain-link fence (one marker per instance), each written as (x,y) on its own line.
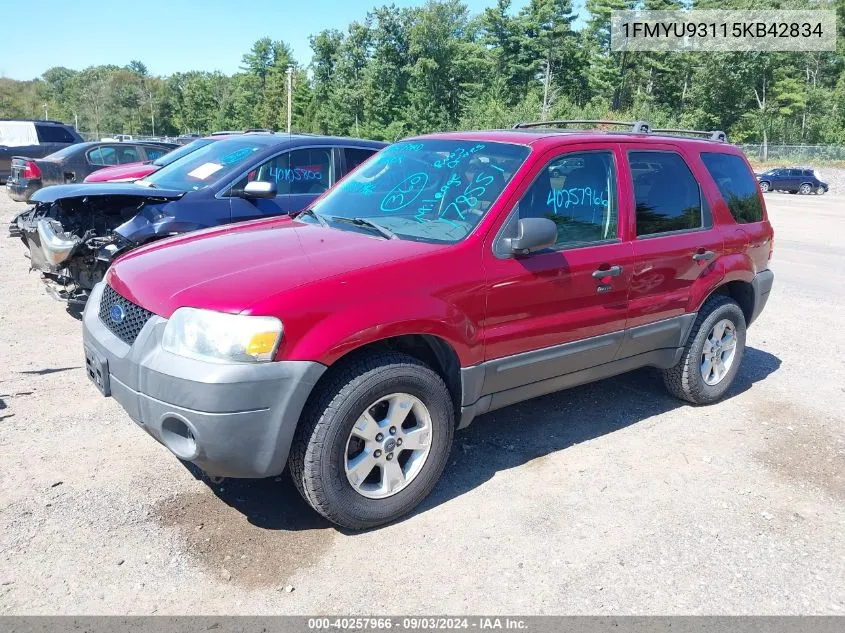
(91,136)
(793,153)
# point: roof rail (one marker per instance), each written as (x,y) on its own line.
(637,127)
(713,135)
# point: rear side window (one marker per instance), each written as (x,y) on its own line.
(356,156)
(736,184)
(53,134)
(128,154)
(103,156)
(667,195)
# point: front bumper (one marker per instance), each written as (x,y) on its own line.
(230,419)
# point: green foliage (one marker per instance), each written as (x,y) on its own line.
(401,71)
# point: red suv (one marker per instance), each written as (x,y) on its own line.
(449,275)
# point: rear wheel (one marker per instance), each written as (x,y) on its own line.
(806,189)
(376,442)
(764,186)
(712,355)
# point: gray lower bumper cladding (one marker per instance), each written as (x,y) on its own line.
(230,419)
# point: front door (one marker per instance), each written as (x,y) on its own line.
(300,175)
(564,309)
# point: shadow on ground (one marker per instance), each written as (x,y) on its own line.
(501,440)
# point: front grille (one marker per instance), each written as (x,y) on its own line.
(134,316)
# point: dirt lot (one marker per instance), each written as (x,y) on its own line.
(609,498)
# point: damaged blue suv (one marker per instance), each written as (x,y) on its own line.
(74,232)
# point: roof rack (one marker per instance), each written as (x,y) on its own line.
(636,127)
(713,135)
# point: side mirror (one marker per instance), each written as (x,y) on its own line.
(259,189)
(534,234)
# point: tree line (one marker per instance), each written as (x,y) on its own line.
(401,71)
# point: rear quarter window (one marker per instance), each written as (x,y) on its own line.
(736,184)
(53,134)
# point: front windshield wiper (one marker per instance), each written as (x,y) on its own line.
(316,215)
(369,224)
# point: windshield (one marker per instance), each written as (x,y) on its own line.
(202,167)
(170,157)
(430,190)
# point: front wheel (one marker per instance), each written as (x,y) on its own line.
(375,441)
(805,189)
(820,191)
(712,355)
(764,186)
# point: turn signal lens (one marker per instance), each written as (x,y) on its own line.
(262,344)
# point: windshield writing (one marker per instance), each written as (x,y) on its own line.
(431,190)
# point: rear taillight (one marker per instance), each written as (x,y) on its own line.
(771,247)
(31,171)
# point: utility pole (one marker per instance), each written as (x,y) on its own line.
(290,99)
(152,113)
(547,80)
(45,112)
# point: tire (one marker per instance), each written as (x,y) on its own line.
(764,186)
(806,189)
(685,379)
(320,452)
(820,191)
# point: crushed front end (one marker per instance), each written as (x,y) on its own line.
(73,240)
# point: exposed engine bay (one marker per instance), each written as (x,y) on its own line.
(72,241)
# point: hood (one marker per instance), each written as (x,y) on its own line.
(132,171)
(228,269)
(82,190)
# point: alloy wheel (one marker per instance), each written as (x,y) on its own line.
(388,446)
(719,352)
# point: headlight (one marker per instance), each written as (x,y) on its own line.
(220,337)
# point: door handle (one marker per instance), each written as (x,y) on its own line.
(704,256)
(613,271)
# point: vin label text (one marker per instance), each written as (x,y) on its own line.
(717,30)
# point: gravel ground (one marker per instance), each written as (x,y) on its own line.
(609,498)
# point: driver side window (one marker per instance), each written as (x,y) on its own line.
(307,171)
(577,192)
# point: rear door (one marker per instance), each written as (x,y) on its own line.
(675,240)
(300,175)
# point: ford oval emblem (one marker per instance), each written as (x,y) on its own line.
(117,313)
